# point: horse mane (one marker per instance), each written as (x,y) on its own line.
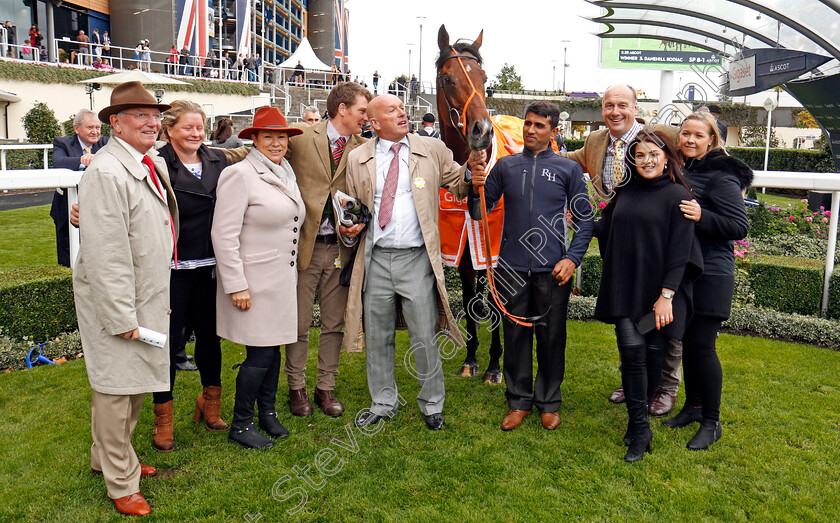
(461,46)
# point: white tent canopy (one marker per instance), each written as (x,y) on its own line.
(307,58)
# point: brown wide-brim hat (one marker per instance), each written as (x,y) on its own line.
(127,95)
(269,119)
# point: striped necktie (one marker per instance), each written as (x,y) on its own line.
(339,149)
(386,206)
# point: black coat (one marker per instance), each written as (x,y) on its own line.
(196,200)
(717,181)
(650,246)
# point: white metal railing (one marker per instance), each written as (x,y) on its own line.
(47,179)
(47,147)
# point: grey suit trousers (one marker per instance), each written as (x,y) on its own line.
(404,274)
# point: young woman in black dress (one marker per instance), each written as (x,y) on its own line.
(718,182)
(650,259)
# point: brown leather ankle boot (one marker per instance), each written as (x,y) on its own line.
(299,403)
(209,405)
(162,438)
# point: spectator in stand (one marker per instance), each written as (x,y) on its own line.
(138,52)
(95,40)
(560,139)
(413,87)
(172,61)
(11,39)
(223,136)
(26,50)
(375,81)
(311,116)
(35,37)
(240,67)
(185,61)
(428,128)
(334,75)
(230,65)
(84,48)
(300,72)
(106,44)
(146,57)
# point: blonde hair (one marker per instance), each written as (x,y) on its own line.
(706,118)
(179,108)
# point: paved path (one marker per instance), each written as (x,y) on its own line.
(27,199)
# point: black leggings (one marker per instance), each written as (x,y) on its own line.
(260,357)
(703,376)
(641,367)
(192,297)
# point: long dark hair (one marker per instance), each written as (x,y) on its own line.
(663,140)
(224,128)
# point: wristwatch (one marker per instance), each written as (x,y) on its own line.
(668,295)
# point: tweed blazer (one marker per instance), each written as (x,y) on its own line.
(309,154)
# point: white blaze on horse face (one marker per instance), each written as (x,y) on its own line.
(468,67)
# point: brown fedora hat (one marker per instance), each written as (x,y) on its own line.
(129,94)
(269,119)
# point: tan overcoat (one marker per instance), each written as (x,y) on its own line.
(256,230)
(121,278)
(430,167)
(309,154)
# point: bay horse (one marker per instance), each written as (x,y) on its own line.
(465,125)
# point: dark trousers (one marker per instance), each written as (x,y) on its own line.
(641,367)
(533,296)
(58,212)
(192,298)
(702,372)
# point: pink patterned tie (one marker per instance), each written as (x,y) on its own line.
(390,189)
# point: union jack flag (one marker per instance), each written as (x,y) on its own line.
(193,26)
(341,25)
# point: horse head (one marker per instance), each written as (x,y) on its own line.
(460,92)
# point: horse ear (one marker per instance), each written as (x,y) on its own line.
(443,38)
(477,42)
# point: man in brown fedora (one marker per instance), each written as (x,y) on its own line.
(128,221)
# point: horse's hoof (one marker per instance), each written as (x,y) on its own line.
(494,377)
(469,370)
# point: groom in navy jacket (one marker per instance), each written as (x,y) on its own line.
(73,152)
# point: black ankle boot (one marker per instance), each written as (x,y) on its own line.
(242,428)
(266,397)
(686,417)
(639,444)
(709,432)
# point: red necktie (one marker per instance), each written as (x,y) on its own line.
(148,163)
(386,206)
(339,148)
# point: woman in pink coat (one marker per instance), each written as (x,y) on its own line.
(256,226)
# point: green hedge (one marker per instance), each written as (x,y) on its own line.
(51,74)
(792,285)
(37,303)
(798,160)
(833,310)
(590,278)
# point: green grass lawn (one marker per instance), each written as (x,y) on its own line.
(778,460)
(27,238)
(775,199)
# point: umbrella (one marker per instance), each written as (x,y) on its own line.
(134,75)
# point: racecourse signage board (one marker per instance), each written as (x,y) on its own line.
(645,53)
(762,69)
(821,96)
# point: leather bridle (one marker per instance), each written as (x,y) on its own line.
(458,118)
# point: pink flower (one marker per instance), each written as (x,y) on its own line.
(808,219)
(804,200)
(791,218)
(825,220)
(828,213)
(601,205)
(822,208)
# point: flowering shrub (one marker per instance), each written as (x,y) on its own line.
(772,220)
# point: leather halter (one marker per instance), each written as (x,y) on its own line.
(462,114)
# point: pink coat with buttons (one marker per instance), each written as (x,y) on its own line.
(256,230)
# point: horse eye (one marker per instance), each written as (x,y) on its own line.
(447,79)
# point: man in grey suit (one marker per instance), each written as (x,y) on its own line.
(398,177)
(73,152)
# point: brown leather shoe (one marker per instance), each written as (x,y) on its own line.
(662,404)
(514,419)
(162,438)
(617,396)
(145,470)
(133,505)
(209,406)
(299,403)
(550,420)
(328,403)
